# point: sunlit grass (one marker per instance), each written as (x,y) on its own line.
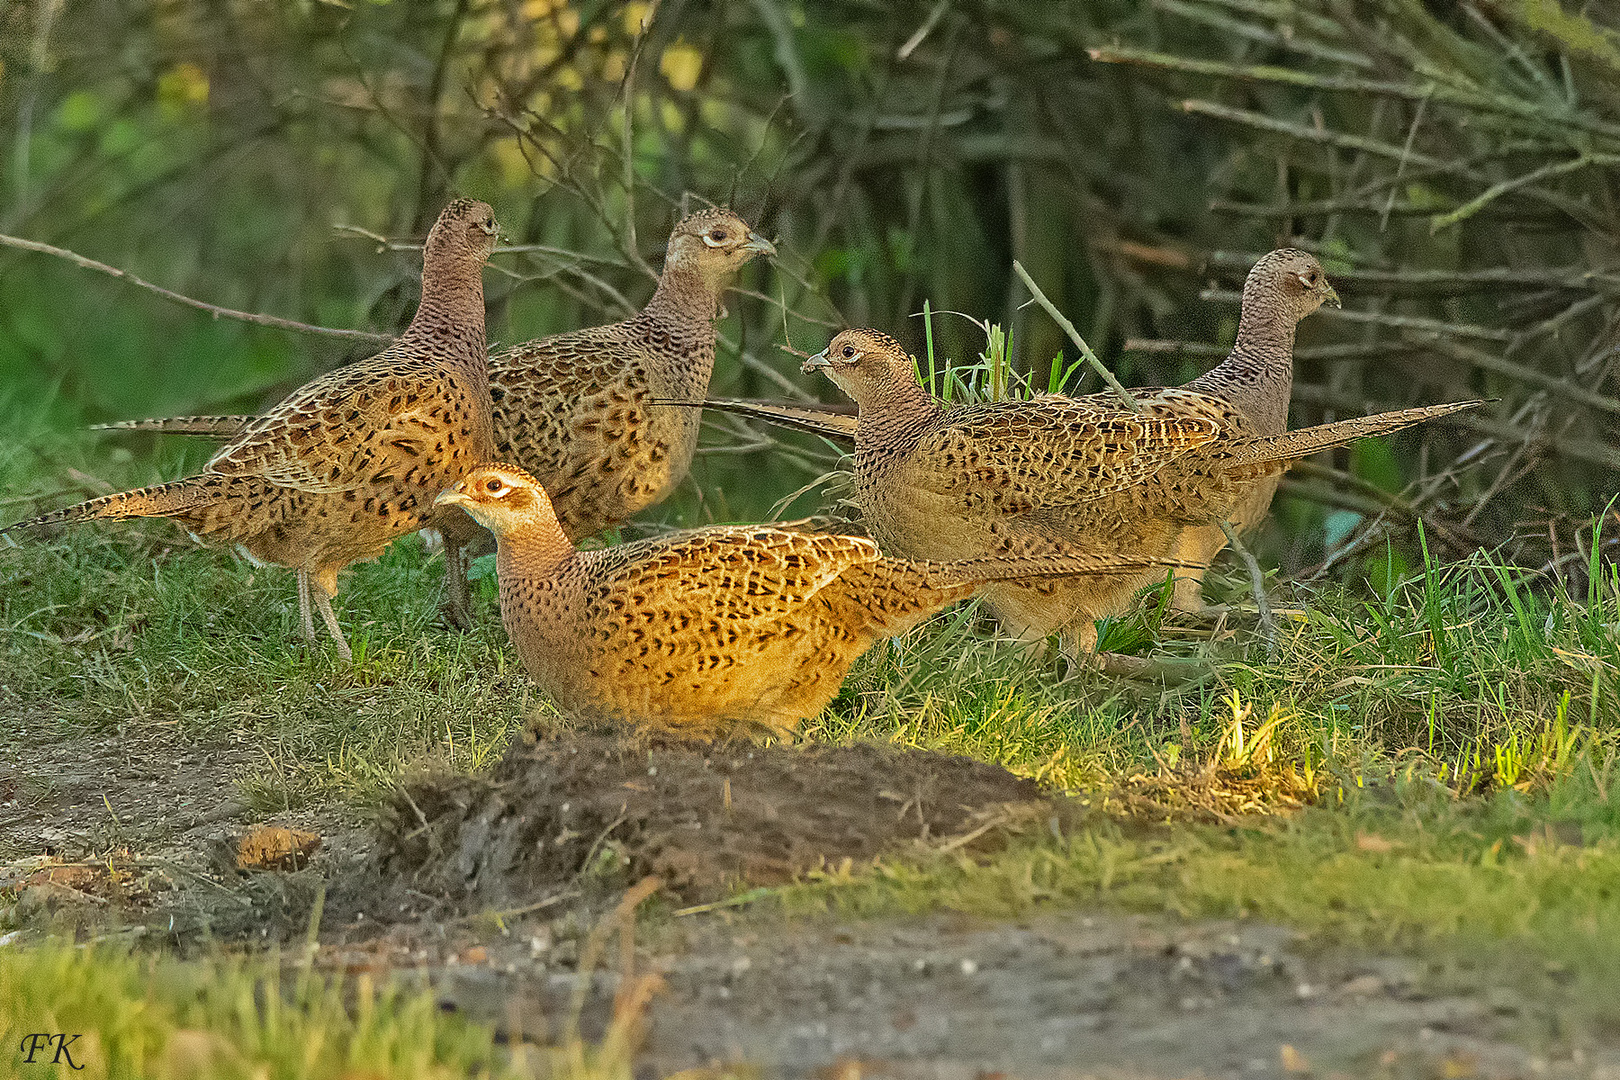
(146,1016)
(1495,678)
(1454,734)
(129,623)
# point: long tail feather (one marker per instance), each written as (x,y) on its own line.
(823,422)
(1292,445)
(217,427)
(159,500)
(1014,567)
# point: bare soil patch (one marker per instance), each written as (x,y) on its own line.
(137,833)
(704,818)
(139,830)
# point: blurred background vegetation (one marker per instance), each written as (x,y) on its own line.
(1454,163)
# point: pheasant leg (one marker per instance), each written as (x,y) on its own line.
(324,602)
(456,610)
(305,616)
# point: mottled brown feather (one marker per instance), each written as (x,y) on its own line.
(1058,475)
(354,458)
(578,411)
(711,629)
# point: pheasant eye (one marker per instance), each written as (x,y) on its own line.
(493,487)
(717,235)
(849,352)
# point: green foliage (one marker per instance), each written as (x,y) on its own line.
(213,150)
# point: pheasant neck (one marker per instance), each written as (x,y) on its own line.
(1263,330)
(683,297)
(532,551)
(1258,375)
(897,415)
(678,322)
(452,308)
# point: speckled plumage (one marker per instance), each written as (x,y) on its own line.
(354,458)
(1055,475)
(577,409)
(1254,384)
(711,629)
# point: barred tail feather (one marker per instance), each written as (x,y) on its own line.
(1292,445)
(1014,567)
(823,422)
(218,427)
(159,500)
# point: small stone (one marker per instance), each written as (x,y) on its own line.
(1363,986)
(274,847)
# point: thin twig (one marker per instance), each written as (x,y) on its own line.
(169,294)
(1074,336)
(1405,322)
(1496,191)
(1257,582)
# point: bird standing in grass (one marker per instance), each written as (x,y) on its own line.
(1248,393)
(577,409)
(714,629)
(1057,475)
(353,459)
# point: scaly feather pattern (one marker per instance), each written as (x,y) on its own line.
(354,458)
(1056,475)
(579,411)
(582,409)
(712,629)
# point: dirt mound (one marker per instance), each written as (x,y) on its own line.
(705,818)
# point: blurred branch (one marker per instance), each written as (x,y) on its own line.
(1366,497)
(1533,113)
(1405,322)
(1495,191)
(169,294)
(1587,450)
(1520,373)
(426,193)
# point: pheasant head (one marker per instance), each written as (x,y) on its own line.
(503,499)
(466,230)
(1287,285)
(871,367)
(712,245)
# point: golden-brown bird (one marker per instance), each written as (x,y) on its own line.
(354,458)
(712,629)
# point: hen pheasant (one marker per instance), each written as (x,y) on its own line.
(1249,391)
(1056,475)
(354,458)
(710,629)
(578,408)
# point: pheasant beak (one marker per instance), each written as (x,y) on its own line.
(759,245)
(453,496)
(1329,295)
(818,362)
